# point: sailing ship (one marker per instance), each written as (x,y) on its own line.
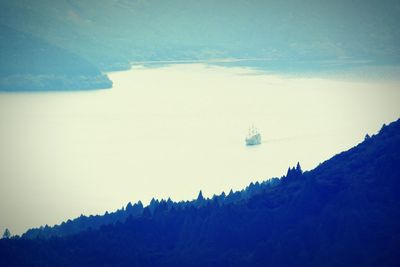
(254,137)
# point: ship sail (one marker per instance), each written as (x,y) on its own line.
(254,137)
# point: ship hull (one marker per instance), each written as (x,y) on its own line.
(253,140)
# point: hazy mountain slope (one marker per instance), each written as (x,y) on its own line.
(289,35)
(343,213)
(112,33)
(29,63)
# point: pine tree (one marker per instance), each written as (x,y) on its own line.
(6,234)
(129,206)
(200,196)
(200,201)
(298,168)
(289,172)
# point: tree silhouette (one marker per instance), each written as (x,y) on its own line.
(6,233)
(298,168)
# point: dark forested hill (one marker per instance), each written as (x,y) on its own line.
(83,223)
(345,212)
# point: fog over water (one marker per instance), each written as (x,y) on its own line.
(171,131)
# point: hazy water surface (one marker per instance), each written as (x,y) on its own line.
(169,132)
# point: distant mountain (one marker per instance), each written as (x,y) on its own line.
(110,34)
(345,212)
(29,63)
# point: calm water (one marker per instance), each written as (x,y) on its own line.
(169,132)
